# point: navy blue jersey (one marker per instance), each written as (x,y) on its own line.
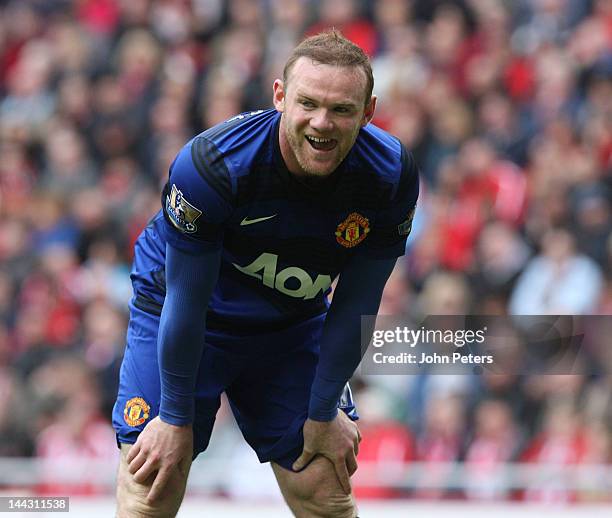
(283,241)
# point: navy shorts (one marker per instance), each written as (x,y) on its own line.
(267,379)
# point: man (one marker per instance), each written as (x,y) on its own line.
(260,214)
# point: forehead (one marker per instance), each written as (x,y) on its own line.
(332,83)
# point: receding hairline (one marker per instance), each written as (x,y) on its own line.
(333,49)
(314,62)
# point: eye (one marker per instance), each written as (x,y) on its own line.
(307,104)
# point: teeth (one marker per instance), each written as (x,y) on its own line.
(318,140)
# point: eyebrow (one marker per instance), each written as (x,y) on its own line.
(343,104)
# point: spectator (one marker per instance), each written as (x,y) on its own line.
(493,445)
(74,431)
(386,446)
(557,281)
(440,443)
(16,438)
(561,443)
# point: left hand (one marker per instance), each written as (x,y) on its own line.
(337,440)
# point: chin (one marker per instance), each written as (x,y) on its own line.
(321,169)
(313,179)
(318,172)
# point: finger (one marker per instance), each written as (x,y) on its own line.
(343,476)
(351,465)
(184,465)
(302,460)
(147,469)
(357,439)
(137,462)
(158,486)
(133,451)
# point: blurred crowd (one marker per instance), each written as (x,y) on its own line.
(507,107)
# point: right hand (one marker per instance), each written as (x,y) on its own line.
(161,449)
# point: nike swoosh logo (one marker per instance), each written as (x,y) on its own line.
(247,221)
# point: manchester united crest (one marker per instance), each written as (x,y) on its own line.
(136,411)
(353,230)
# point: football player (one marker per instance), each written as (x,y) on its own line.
(260,214)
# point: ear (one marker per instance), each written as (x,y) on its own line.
(279,95)
(369,111)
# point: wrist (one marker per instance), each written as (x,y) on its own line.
(177,413)
(323,416)
(324,398)
(177,423)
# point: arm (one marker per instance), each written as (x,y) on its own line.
(196,202)
(358,293)
(166,443)
(190,280)
(328,432)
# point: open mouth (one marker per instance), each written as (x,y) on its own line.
(321,144)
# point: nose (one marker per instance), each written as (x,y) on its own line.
(321,121)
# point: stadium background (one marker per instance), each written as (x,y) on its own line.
(507,106)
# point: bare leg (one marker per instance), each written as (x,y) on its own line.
(132,496)
(315,492)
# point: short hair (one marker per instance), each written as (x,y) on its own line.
(332,48)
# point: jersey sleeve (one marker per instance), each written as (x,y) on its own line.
(394,221)
(358,293)
(197,199)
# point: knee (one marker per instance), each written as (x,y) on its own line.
(132,499)
(138,508)
(330,505)
(319,493)
(132,496)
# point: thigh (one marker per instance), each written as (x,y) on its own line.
(270,398)
(315,491)
(139,385)
(270,402)
(132,496)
